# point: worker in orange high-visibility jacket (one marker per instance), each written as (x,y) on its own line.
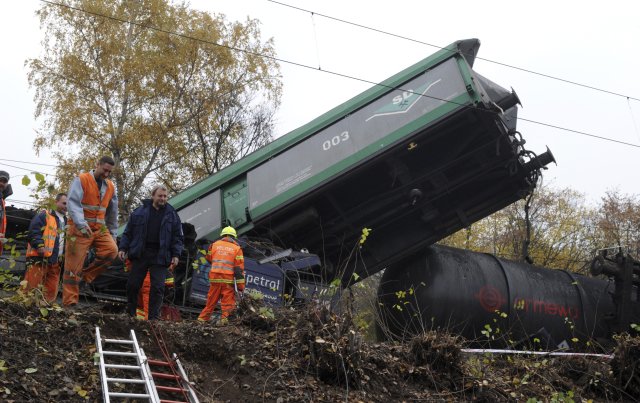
(142,311)
(227,268)
(5,190)
(44,247)
(93,221)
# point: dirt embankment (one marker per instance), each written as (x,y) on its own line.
(309,354)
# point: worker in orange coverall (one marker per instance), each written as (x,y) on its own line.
(93,221)
(226,275)
(45,249)
(142,311)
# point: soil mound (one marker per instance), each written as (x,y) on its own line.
(291,355)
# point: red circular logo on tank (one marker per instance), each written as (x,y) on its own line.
(490,298)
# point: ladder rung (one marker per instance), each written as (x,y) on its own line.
(120,353)
(172,401)
(160,363)
(118,341)
(162,375)
(119,366)
(125,380)
(123,394)
(170,389)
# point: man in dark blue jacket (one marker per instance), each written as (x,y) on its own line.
(152,240)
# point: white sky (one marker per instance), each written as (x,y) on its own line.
(588,42)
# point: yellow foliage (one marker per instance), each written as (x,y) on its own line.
(164,89)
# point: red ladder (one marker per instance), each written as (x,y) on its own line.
(177,376)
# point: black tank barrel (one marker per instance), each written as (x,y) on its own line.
(494,301)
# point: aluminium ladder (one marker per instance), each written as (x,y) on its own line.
(142,367)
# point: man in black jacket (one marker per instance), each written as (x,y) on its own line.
(152,240)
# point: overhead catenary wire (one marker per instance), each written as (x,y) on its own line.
(29,170)
(30,163)
(381,31)
(334,73)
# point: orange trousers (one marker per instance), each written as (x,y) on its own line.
(75,252)
(41,272)
(227,296)
(142,312)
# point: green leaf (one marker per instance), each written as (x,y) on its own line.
(44,312)
(39,177)
(26,181)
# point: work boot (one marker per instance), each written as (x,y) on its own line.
(72,308)
(222,322)
(85,288)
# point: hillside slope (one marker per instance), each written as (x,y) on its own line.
(308,354)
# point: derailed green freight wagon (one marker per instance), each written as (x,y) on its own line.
(421,155)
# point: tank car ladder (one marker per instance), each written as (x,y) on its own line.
(142,366)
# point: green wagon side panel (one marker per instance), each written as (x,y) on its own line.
(252,160)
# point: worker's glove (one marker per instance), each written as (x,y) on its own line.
(238,277)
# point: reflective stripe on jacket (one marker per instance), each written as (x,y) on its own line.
(93,207)
(225,255)
(43,235)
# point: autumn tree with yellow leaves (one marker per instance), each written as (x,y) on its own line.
(173,94)
(561,231)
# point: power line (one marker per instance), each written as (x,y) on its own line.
(29,170)
(579,132)
(325,71)
(31,163)
(12,200)
(443,48)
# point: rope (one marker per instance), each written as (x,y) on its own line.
(162,345)
(527,239)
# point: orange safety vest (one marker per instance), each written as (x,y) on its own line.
(49,234)
(225,255)
(94,208)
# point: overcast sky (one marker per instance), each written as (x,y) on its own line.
(588,42)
